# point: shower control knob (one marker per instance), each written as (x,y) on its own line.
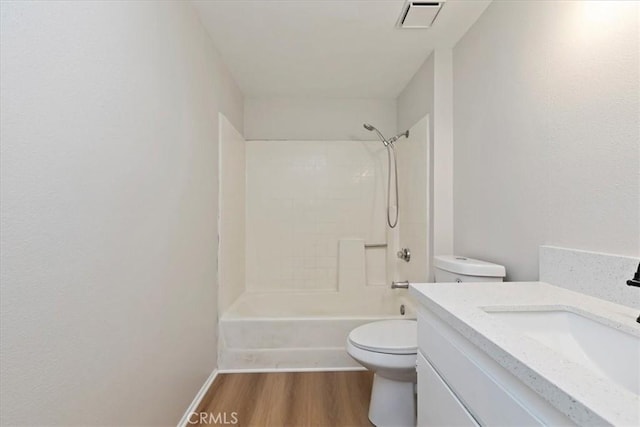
(404,254)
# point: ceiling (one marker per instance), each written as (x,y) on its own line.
(327,48)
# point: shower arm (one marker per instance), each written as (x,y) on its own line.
(395,138)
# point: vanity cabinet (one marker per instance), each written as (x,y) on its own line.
(460,385)
(440,406)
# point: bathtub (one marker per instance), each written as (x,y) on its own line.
(302,330)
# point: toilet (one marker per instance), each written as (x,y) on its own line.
(389,348)
(453,268)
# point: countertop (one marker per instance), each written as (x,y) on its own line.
(573,389)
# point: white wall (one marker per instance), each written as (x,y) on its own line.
(317,118)
(547,132)
(413,178)
(109,197)
(429,93)
(232,214)
(443,153)
(417,98)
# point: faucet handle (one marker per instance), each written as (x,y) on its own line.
(404,254)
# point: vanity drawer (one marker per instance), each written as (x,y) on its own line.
(489,392)
(437,405)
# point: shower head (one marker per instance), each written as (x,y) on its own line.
(384,140)
(370,128)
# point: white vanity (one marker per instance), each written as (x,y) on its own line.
(524,353)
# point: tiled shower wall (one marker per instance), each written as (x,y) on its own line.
(302,197)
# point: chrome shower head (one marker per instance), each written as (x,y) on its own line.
(370,128)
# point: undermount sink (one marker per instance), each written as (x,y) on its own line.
(607,351)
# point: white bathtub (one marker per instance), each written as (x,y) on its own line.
(284,330)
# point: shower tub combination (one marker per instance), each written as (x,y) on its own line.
(320,243)
(302,330)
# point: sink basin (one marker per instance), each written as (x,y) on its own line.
(607,351)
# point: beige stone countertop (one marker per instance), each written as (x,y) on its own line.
(575,390)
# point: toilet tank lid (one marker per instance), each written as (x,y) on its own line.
(468,266)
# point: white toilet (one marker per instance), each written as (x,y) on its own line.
(453,268)
(389,347)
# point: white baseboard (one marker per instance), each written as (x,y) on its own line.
(184,421)
(267,370)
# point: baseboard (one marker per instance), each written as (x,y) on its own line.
(267,370)
(184,421)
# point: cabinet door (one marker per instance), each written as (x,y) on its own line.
(437,405)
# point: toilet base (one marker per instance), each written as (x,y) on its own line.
(393,403)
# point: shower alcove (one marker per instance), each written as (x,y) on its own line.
(305,252)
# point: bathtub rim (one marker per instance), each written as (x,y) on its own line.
(233,313)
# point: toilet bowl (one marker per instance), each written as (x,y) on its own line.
(388,348)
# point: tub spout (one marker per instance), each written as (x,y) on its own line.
(400,285)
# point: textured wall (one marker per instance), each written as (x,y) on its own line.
(329,119)
(546,129)
(109,199)
(429,93)
(413,179)
(416,99)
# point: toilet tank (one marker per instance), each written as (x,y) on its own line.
(452,268)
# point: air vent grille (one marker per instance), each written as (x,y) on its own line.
(419,14)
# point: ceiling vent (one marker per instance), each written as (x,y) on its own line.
(419,14)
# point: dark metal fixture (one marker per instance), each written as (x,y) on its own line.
(635,282)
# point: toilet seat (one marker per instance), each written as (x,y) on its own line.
(387,336)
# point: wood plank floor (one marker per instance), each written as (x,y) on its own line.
(288,399)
